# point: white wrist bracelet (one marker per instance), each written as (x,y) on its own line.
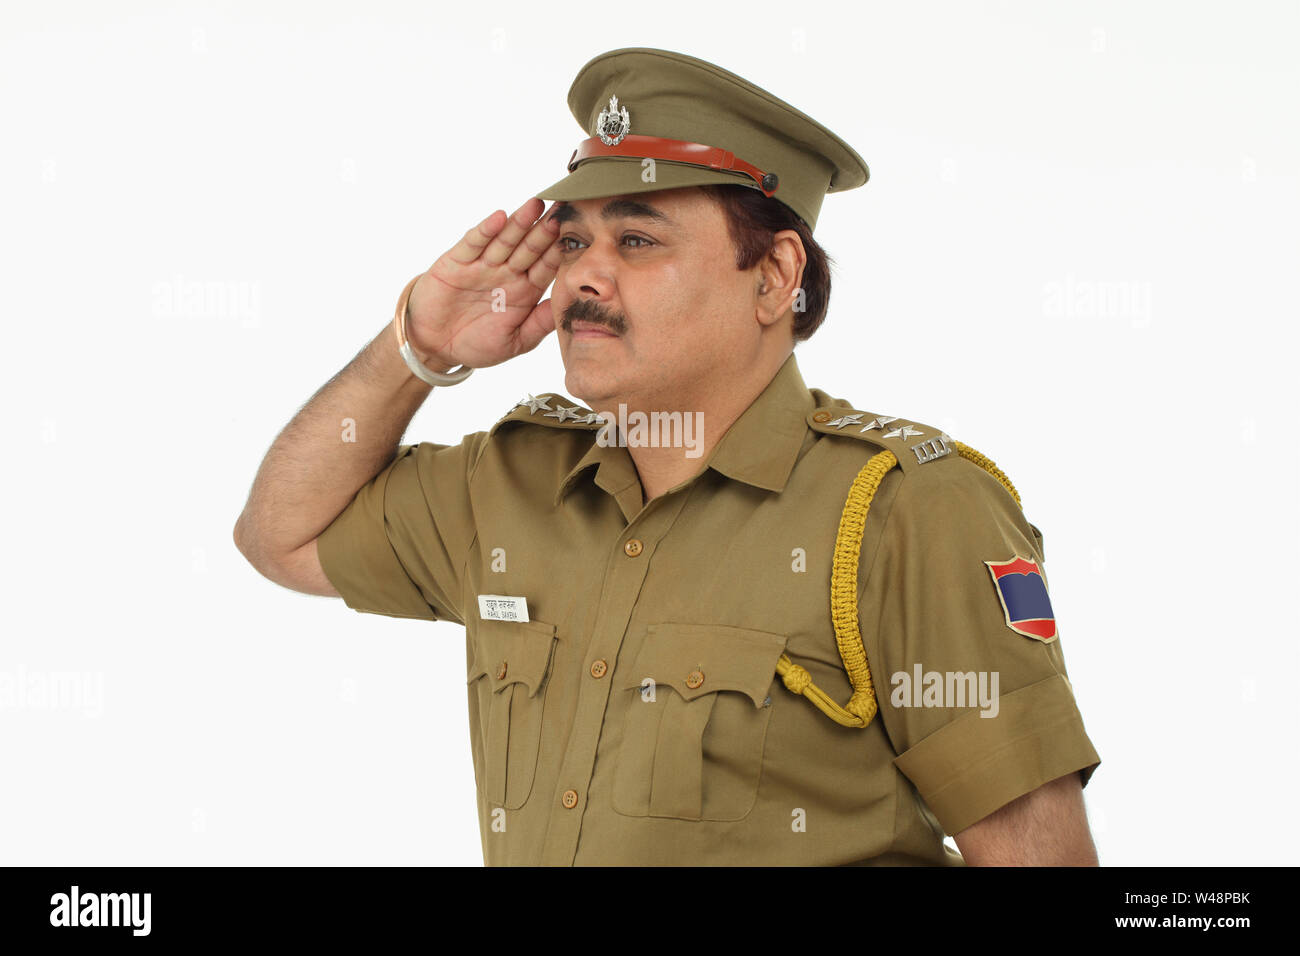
(428,376)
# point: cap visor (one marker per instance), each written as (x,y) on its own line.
(617,176)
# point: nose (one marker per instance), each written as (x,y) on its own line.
(591,271)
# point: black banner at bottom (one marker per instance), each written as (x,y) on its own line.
(635,906)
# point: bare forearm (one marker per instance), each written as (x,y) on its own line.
(338,441)
(1046,827)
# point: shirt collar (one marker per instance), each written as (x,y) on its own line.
(760,448)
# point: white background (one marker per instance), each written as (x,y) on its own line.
(1077,253)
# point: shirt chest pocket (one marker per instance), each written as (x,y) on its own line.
(696,705)
(508,674)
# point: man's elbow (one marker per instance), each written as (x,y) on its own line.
(298,570)
(246,543)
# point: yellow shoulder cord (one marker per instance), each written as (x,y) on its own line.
(861,707)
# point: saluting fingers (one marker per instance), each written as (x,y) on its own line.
(539,239)
(473,243)
(542,272)
(504,242)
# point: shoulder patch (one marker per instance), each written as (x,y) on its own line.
(551,409)
(913,443)
(1025,602)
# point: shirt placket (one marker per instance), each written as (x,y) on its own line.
(626,565)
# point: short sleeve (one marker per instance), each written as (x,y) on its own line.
(399,547)
(965,656)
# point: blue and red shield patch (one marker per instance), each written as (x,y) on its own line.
(1023,593)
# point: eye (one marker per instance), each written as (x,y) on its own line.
(639,242)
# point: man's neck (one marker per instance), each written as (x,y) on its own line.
(663,468)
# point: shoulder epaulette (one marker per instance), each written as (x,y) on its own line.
(913,443)
(552,410)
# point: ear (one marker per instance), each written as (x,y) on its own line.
(779,275)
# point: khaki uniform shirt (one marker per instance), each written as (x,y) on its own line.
(636,716)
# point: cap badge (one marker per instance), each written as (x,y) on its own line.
(613,123)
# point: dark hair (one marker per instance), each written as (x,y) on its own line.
(752,220)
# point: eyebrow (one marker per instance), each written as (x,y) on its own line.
(614,209)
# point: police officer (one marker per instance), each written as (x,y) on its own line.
(712,615)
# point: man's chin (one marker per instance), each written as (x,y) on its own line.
(591,383)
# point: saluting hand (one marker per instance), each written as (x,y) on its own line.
(478,305)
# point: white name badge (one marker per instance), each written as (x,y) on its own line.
(501,607)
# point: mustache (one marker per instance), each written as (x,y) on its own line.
(589,310)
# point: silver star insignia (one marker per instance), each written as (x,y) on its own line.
(564,413)
(532,403)
(592,418)
(854,419)
(906,431)
(879,422)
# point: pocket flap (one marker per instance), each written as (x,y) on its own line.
(696,659)
(509,652)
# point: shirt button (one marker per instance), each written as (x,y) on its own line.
(598,668)
(822,418)
(694,679)
(501,671)
(570,799)
(633,547)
